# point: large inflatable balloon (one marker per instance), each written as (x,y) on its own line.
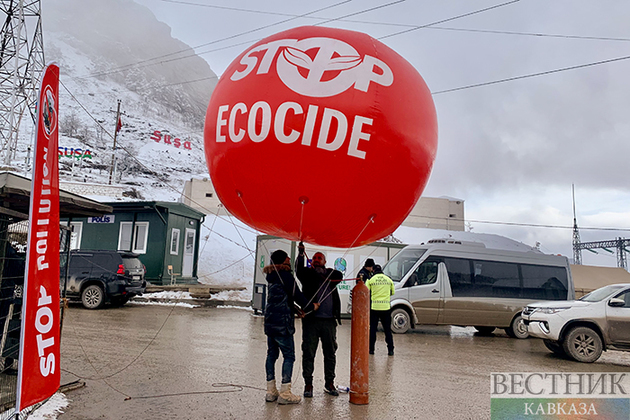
(322,135)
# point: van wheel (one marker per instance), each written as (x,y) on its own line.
(555,347)
(517,329)
(485,330)
(92,297)
(583,344)
(401,321)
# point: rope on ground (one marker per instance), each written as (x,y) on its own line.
(235,388)
(97,378)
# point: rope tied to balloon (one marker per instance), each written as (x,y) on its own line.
(303,201)
(328,280)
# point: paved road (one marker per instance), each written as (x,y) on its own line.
(437,372)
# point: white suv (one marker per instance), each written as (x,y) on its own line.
(582,329)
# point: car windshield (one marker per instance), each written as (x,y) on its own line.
(399,266)
(601,293)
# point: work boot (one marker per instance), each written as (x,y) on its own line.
(331,389)
(390,352)
(308,391)
(272,391)
(286,396)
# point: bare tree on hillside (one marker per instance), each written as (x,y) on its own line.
(70,125)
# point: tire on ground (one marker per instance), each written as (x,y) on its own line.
(93,297)
(517,329)
(401,321)
(583,344)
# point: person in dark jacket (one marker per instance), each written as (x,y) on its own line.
(282,293)
(320,285)
(367,271)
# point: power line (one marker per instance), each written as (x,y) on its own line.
(490,31)
(236,9)
(454,219)
(122,68)
(451,19)
(526,76)
(360,12)
(149,62)
(532,34)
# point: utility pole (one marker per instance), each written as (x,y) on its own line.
(577,251)
(111,169)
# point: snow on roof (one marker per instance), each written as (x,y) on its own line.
(417,236)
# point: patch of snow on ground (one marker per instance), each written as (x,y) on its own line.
(49,410)
(180,304)
(236,295)
(168,295)
(246,308)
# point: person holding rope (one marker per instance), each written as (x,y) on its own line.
(320,285)
(381,289)
(282,292)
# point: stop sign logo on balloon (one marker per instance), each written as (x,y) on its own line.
(321,135)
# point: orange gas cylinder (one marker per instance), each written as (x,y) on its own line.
(359,345)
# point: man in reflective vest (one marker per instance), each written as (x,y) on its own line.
(381,289)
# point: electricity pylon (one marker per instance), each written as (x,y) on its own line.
(577,251)
(21,65)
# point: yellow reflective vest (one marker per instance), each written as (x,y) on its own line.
(381,288)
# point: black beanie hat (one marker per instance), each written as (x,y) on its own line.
(369,263)
(279,256)
(377,269)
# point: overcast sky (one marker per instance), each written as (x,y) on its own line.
(511,150)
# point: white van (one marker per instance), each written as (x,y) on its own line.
(451,282)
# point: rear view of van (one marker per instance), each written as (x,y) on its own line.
(450,282)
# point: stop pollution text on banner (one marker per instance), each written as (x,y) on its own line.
(38,374)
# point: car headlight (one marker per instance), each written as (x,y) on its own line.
(551,310)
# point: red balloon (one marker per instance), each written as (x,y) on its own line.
(322,135)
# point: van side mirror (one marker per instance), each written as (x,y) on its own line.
(617,303)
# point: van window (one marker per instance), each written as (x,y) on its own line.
(459,276)
(426,273)
(399,266)
(543,282)
(496,279)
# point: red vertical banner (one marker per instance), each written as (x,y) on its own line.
(38,373)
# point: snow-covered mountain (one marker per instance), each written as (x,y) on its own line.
(105,49)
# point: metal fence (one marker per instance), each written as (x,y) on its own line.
(13,240)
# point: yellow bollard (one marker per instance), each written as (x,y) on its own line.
(359,344)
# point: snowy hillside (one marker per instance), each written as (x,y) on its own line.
(160,143)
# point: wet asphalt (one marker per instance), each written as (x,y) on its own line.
(160,362)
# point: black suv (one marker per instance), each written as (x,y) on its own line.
(97,277)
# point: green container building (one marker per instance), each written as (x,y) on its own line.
(165,235)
